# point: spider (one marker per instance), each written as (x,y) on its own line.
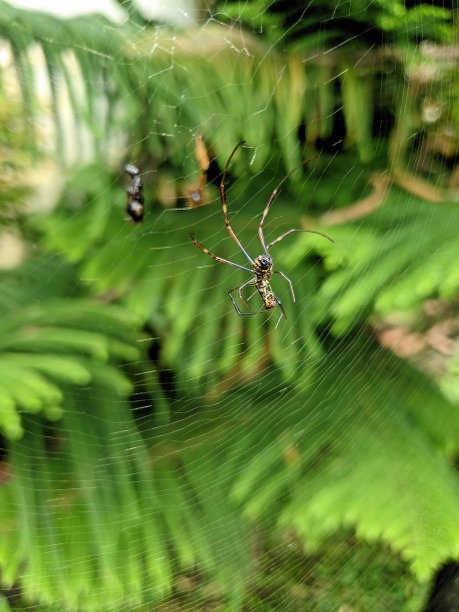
(262,266)
(134,204)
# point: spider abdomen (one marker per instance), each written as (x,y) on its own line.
(266,293)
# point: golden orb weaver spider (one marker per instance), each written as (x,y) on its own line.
(263,264)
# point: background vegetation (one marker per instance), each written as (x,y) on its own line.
(159,452)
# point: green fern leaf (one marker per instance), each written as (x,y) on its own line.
(377,466)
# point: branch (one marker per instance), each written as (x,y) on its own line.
(361,208)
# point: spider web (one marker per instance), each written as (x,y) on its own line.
(259,462)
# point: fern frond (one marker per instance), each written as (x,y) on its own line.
(110,519)
(43,346)
(387,261)
(266,101)
(387,20)
(359,452)
(74,482)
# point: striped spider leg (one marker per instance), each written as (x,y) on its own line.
(279,238)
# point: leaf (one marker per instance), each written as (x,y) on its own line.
(43,346)
(384,271)
(357,106)
(361,461)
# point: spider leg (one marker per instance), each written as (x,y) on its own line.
(280,305)
(297,230)
(250,281)
(289,282)
(242,314)
(239,290)
(220,259)
(225,210)
(273,195)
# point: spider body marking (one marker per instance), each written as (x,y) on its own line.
(134,204)
(263,270)
(262,266)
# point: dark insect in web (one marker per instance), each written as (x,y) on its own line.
(134,204)
(262,266)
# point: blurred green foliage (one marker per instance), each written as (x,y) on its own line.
(326,22)
(151,438)
(48,343)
